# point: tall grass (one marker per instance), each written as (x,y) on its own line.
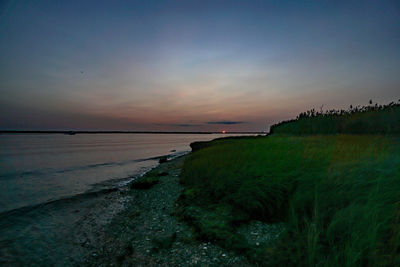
(371,119)
(338,197)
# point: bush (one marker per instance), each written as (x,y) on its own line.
(144,183)
(164,241)
(163,159)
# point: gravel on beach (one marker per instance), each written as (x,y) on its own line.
(145,233)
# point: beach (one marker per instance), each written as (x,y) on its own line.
(147,233)
(62,194)
(128,227)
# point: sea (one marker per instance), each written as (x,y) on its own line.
(55,188)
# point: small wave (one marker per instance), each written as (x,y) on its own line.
(121,182)
(111,185)
(90,166)
(11,175)
(169,156)
(121,163)
(68,199)
(38,172)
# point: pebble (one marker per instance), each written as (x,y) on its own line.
(155,220)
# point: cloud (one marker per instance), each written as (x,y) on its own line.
(185,125)
(178,124)
(225,122)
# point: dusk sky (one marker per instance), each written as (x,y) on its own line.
(191,65)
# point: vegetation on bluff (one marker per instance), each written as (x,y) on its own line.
(337,196)
(370,119)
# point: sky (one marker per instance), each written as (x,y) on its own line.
(191,65)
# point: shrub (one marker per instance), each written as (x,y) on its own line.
(144,183)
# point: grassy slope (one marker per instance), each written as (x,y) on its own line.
(338,197)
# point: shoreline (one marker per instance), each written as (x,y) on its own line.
(68,229)
(106,187)
(76,224)
(147,233)
(122,226)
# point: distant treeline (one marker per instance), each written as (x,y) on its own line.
(369,119)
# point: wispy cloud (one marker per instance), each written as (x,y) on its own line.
(184,125)
(225,122)
(178,124)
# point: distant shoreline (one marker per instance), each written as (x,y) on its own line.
(118,132)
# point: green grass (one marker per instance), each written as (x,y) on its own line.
(148,180)
(338,197)
(372,119)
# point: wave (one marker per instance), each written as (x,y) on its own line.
(63,200)
(43,171)
(113,185)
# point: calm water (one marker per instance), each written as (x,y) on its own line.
(51,188)
(38,168)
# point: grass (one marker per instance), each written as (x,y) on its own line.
(338,197)
(371,119)
(164,241)
(148,180)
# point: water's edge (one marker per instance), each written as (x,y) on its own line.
(66,224)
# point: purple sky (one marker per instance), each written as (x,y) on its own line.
(191,65)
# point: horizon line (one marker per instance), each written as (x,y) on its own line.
(71,132)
